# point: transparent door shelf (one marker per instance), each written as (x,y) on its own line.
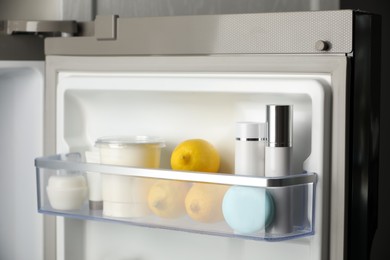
(256,208)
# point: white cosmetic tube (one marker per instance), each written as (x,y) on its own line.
(94,181)
(277,164)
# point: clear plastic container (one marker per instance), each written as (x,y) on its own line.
(67,191)
(215,204)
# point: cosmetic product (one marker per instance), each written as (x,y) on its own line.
(248,210)
(67,192)
(249,148)
(277,163)
(94,181)
(125,196)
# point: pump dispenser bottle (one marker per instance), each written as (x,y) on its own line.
(277,163)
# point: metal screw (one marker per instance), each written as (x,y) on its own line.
(322,45)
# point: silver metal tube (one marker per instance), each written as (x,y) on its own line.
(279,119)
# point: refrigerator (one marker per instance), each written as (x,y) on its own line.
(180,78)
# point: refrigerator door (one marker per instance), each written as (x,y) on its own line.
(172,97)
(195,77)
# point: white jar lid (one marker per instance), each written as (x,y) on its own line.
(123,141)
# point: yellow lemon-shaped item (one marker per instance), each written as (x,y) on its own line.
(195,155)
(166,198)
(204,202)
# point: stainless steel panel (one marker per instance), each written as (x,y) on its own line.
(268,33)
(143,8)
(83,10)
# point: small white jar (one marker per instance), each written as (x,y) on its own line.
(125,196)
(67,192)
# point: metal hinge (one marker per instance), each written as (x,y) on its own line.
(46,28)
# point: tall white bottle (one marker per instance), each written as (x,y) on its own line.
(277,164)
(249,151)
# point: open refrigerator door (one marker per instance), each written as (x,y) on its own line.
(124,82)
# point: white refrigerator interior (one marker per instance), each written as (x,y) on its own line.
(21,115)
(177,102)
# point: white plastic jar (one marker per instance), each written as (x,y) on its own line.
(125,196)
(67,192)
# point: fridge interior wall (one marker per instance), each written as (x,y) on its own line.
(180,106)
(21,113)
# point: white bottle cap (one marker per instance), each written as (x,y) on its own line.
(247,131)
